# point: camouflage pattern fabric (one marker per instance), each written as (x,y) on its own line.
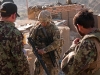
(45,16)
(38,69)
(12,59)
(54,33)
(85,53)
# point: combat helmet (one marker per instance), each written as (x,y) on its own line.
(44,16)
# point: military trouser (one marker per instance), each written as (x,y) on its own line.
(38,69)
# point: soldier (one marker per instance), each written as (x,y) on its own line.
(83,57)
(38,34)
(12,59)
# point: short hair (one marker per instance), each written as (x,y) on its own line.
(84,18)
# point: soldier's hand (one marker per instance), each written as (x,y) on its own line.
(76,41)
(41,51)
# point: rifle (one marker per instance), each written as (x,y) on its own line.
(37,55)
(51,53)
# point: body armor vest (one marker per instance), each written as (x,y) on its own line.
(95,66)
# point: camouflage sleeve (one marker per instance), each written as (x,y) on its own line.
(31,34)
(68,51)
(19,60)
(33,31)
(56,43)
(85,54)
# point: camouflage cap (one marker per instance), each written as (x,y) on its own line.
(45,16)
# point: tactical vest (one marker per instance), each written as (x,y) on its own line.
(95,66)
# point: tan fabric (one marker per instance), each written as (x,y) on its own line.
(66,59)
(96,64)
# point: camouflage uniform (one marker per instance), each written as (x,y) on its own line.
(78,59)
(12,59)
(54,33)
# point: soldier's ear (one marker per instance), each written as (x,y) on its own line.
(79,27)
(13,16)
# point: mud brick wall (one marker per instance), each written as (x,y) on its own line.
(97,21)
(64,12)
(68,12)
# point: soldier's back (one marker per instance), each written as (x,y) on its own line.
(8,33)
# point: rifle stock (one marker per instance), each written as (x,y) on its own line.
(37,55)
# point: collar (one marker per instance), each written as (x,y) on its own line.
(11,23)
